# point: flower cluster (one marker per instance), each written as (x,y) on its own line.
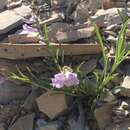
(28,28)
(66,78)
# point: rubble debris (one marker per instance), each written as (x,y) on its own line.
(52,105)
(68,22)
(121,112)
(23,123)
(109,17)
(125,91)
(125,125)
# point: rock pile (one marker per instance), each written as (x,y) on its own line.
(28,108)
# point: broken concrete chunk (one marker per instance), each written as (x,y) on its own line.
(109,16)
(75,35)
(52,104)
(23,11)
(58,27)
(103,115)
(50,126)
(125,91)
(10,19)
(24,123)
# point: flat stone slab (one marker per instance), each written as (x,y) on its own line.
(24,123)
(52,105)
(10,19)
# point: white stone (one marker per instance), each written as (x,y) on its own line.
(125,91)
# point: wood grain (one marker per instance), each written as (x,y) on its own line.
(23,51)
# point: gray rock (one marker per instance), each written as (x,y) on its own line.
(125,91)
(81,13)
(78,123)
(56,125)
(103,115)
(109,17)
(9,92)
(2,4)
(40,123)
(88,66)
(125,125)
(2,126)
(23,123)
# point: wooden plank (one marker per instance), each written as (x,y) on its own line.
(23,51)
(23,38)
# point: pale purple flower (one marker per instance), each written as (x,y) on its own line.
(71,79)
(2,79)
(58,80)
(31,20)
(67,79)
(29,29)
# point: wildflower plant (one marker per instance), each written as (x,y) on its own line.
(121,52)
(70,81)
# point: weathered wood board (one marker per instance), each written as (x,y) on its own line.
(23,51)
